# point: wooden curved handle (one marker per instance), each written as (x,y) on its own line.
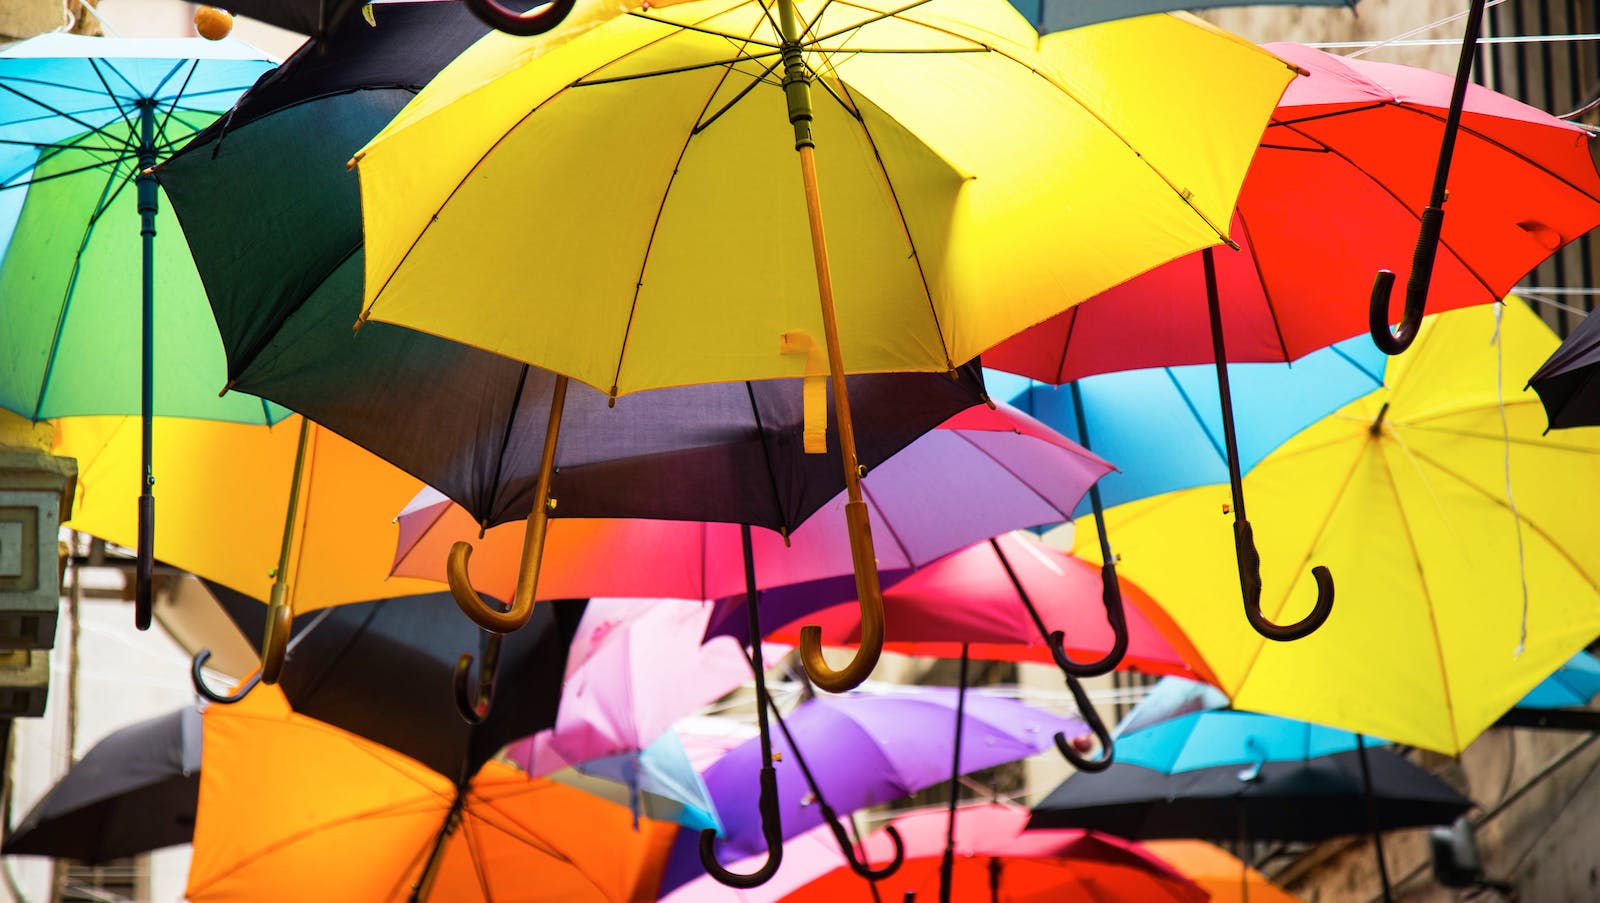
(484,613)
(870,599)
(275,638)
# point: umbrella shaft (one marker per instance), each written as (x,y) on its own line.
(1219,351)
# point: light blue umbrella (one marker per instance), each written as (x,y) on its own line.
(1212,739)
(661,783)
(1059,15)
(1572,685)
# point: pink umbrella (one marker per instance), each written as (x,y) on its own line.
(613,699)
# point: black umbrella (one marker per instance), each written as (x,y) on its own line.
(1569,382)
(274,223)
(383,670)
(134,791)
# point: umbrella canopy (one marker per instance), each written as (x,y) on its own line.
(1567,383)
(383,670)
(284,800)
(1407,490)
(1573,684)
(71,110)
(945,220)
(1224,876)
(1058,15)
(227,498)
(1327,203)
(657,782)
(1162,427)
(132,792)
(872,748)
(997,861)
(967,598)
(613,699)
(1227,775)
(983,472)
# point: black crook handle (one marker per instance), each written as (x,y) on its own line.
(864,869)
(771,829)
(1111,598)
(1244,543)
(199,681)
(1416,289)
(1108,752)
(473,703)
(522,24)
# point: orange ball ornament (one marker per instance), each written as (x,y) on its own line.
(211,23)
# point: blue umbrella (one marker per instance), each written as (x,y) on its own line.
(661,783)
(82,121)
(1572,685)
(1219,738)
(1059,15)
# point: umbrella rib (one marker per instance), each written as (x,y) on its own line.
(1540,442)
(1501,503)
(655,227)
(63,114)
(1065,515)
(493,489)
(1422,580)
(905,229)
(1261,280)
(1066,343)
(101,164)
(1194,411)
(894,535)
(119,100)
(766,458)
(71,290)
(480,867)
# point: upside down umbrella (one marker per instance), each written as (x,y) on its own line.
(939,214)
(383,669)
(285,799)
(134,791)
(81,120)
(1408,489)
(291,515)
(1525,186)
(998,861)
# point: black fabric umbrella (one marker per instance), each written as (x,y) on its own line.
(305,16)
(134,791)
(274,224)
(1309,801)
(1569,382)
(383,670)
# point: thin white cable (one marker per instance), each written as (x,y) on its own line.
(91,10)
(1511,499)
(1369,46)
(1419,29)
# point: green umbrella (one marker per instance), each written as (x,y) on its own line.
(90,262)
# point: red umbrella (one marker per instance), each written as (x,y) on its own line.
(996,861)
(969,597)
(1330,198)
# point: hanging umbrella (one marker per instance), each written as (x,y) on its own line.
(999,861)
(1221,874)
(1059,15)
(613,698)
(1226,775)
(923,204)
(1566,381)
(1526,185)
(1408,489)
(1162,426)
(292,515)
(1560,701)
(132,792)
(284,800)
(658,782)
(1169,698)
(969,597)
(382,670)
(81,120)
(840,754)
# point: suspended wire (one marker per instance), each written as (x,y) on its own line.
(1511,499)
(1418,30)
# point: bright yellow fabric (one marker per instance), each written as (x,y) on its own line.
(294,809)
(651,231)
(222,490)
(1421,646)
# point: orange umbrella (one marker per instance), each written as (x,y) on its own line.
(1225,877)
(294,809)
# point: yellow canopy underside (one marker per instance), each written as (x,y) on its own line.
(292,809)
(566,203)
(222,490)
(1416,527)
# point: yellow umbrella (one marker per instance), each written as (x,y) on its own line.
(1440,542)
(233,487)
(639,176)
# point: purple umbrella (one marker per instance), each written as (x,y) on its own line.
(864,749)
